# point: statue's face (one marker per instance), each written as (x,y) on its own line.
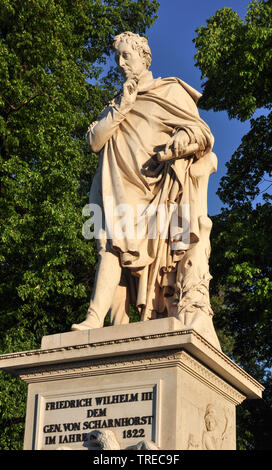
(210,422)
(129,60)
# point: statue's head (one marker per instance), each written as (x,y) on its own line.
(103,440)
(132,54)
(210,418)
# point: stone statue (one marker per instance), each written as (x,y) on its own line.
(211,439)
(103,440)
(155,159)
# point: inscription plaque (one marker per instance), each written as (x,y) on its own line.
(67,419)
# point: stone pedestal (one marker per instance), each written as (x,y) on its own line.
(151,384)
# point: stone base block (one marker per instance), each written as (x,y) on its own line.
(144,385)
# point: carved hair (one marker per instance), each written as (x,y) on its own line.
(137,42)
(210,411)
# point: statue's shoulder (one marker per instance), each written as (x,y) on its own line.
(176,84)
(170,80)
(167,81)
(173,88)
(166,86)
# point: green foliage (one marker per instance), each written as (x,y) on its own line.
(242,292)
(250,166)
(52,86)
(241,266)
(235,58)
(13,408)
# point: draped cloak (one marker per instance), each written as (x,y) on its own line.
(126,192)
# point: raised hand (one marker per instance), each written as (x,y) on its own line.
(130,89)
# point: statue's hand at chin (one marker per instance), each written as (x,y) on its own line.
(130,89)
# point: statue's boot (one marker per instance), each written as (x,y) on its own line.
(108,275)
(92,320)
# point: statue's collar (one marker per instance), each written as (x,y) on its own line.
(146,82)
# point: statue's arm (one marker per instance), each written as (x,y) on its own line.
(102,130)
(108,122)
(195,133)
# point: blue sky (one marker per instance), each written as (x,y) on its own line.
(173,50)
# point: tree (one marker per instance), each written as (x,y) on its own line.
(53,84)
(235,58)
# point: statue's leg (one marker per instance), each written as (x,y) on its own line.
(107,279)
(119,311)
